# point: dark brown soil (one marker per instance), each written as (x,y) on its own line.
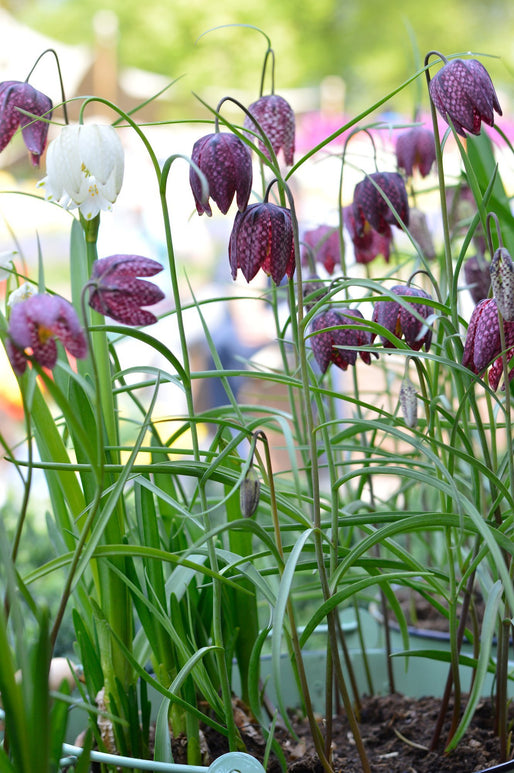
(397,733)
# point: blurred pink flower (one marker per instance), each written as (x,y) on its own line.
(34,326)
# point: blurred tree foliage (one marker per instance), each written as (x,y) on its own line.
(370,44)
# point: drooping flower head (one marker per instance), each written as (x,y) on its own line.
(34,326)
(463,91)
(369,243)
(369,205)
(415,149)
(478,277)
(227,165)
(483,343)
(117,292)
(15,95)
(84,168)
(262,238)
(325,246)
(396,318)
(329,345)
(276,118)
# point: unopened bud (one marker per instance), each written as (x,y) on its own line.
(409,402)
(502,281)
(419,229)
(313,291)
(249,493)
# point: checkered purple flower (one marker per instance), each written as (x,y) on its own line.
(34,326)
(325,246)
(15,95)
(276,118)
(262,238)
(415,149)
(117,292)
(370,206)
(399,320)
(483,344)
(369,243)
(226,163)
(331,338)
(463,91)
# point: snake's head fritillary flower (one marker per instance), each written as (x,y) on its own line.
(276,118)
(13,96)
(34,326)
(84,168)
(117,292)
(483,342)
(502,281)
(369,243)
(415,149)
(226,163)
(463,91)
(370,206)
(331,338)
(262,238)
(478,277)
(396,318)
(324,243)
(21,293)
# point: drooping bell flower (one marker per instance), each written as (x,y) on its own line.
(84,168)
(329,345)
(369,205)
(262,238)
(34,325)
(15,95)
(117,292)
(396,318)
(369,244)
(276,118)
(478,277)
(463,91)
(226,163)
(502,281)
(415,149)
(324,243)
(483,343)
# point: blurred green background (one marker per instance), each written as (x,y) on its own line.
(370,44)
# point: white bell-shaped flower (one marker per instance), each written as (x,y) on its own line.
(84,168)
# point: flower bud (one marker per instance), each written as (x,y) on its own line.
(409,402)
(249,493)
(502,281)
(478,277)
